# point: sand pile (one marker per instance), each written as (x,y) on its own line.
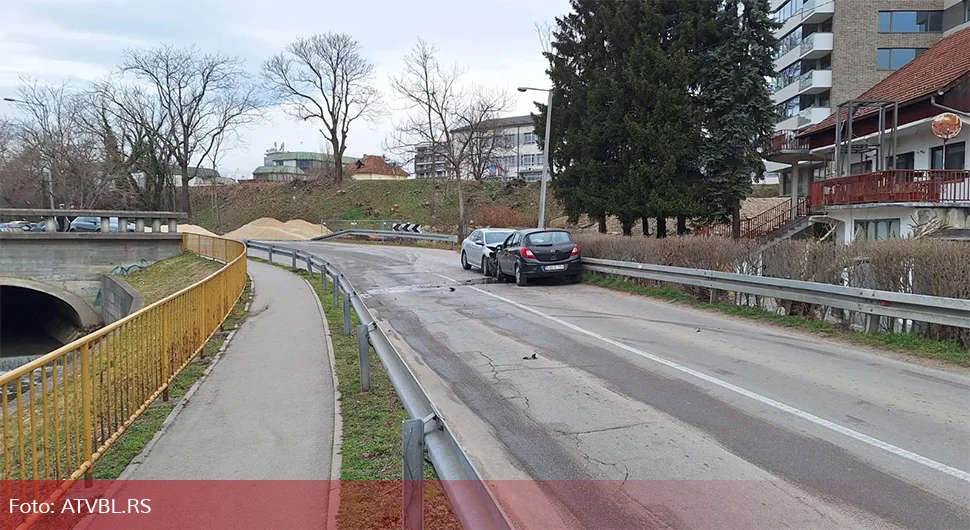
(186,228)
(269,229)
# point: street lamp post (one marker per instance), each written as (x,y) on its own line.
(48,173)
(547,152)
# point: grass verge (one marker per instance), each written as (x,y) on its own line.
(114,461)
(170,276)
(371,457)
(909,343)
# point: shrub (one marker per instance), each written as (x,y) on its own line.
(504,217)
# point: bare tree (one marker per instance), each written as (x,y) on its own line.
(444,115)
(203,97)
(325,77)
(53,138)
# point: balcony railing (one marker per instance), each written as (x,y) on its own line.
(787,141)
(894,186)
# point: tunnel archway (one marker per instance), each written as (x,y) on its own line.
(36,318)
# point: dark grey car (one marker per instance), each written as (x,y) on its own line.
(539,253)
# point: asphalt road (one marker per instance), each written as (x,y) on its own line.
(640,414)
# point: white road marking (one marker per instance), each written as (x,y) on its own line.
(899,451)
(445,277)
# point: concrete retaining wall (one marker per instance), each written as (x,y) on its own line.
(118,299)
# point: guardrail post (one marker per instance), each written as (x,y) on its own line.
(156,225)
(309,266)
(271,254)
(140,224)
(363,348)
(872,323)
(347,325)
(293,255)
(165,357)
(413,445)
(323,276)
(336,290)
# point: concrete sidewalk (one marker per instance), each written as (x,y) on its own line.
(266,411)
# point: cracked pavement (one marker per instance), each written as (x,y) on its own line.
(610,439)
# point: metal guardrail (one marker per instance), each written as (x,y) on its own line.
(468,494)
(917,307)
(389,234)
(62,411)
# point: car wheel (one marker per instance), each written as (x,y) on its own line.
(520,279)
(464,261)
(485,271)
(578,278)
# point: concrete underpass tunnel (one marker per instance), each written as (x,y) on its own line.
(33,322)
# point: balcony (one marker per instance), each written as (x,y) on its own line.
(787,148)
(812,115)
(817,11)
(938,186)
(816,45)
(815,82)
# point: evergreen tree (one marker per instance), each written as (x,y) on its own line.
(740,113)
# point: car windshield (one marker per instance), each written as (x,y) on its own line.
(542,239)
(494,238)
(88,220)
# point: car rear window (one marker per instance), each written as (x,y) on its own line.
(492,238)
(557,237)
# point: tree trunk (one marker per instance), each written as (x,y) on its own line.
(736,219)
(645,222)
(338,164)
(602,225)
(627,225)
(186,205)
(461,210)
(661,226)
(681,225)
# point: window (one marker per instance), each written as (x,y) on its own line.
(493,238)
(790,41)
(910,21)
(554,237)
(788,10)
(540,160)
(527,160)
(876,229)
(529,138)
(955,156)
(304,163)
(278,163)
(903,161)
(788,109)
(857,168)
(896,58)
(787,76)
(966,9)
(476,236)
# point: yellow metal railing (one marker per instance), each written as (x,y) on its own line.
(63,410)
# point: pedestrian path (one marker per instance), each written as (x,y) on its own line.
(263,418)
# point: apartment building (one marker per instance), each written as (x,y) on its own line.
(512,148)
(832,51)
(282,165)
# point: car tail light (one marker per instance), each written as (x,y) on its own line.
(575,251)
(526,253)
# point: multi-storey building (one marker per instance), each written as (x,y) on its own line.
(831,51)
(280,164)
(512,151)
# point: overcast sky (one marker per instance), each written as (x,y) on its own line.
(56,40)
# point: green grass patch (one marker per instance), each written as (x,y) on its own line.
(117,457)
(171,275)
(371,456)
(947,351)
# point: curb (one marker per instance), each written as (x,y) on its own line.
(335,462)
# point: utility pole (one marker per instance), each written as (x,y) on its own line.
(546,152)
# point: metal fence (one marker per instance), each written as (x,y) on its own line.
(388,234)
(427,430)
(916,307)
(63,410)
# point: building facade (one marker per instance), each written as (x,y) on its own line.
(872,180)
(282,165)
(512,150)
(831,51)
(373,167)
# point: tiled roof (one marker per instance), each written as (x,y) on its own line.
(945,63)
(376,165)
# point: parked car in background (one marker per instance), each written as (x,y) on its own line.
(539,253)
(39,226)
(93,224)
(477,247)
(14,226)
